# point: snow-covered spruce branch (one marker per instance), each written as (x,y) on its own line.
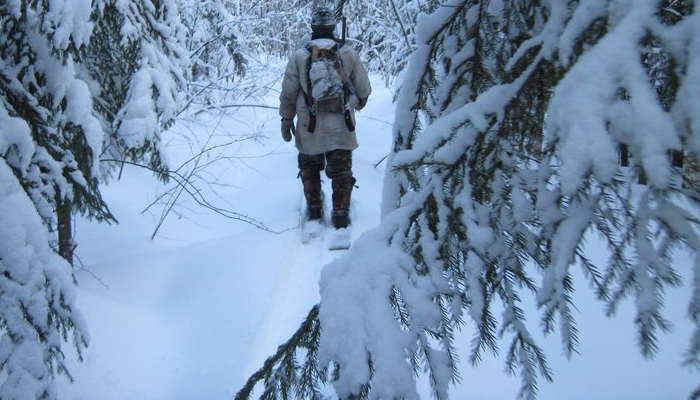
(558,221)
(37,300)
(413,96)
(137,59)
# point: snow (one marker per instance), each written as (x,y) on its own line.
(71,19)
(358,319)
(339,239)
(140,119)
(581,19)
(552,30)
(686,41)
(408,99)
(194,312)
(15,140)
(582,118)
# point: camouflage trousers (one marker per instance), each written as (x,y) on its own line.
(338,167)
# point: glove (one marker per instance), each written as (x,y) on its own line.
(361,103)
(287,127)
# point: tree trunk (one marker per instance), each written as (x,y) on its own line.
(65,229)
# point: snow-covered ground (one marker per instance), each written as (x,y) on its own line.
(192,313)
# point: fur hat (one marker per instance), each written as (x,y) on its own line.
(322,20)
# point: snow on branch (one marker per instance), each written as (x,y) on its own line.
(37,300)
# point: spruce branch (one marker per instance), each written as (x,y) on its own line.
(278,371)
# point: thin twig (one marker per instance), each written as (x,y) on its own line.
(403,29)
(182,183)
(375,119)
(192,99)
(380,161)
(82,267)
(249,105)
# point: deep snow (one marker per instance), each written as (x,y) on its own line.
(192,313)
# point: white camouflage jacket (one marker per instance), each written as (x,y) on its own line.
(331,132)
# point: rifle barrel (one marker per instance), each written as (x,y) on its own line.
(344,27)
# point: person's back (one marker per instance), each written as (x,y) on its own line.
(324,83)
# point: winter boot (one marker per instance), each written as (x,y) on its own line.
(342,189)
(311,180)
(340,218)
(314,211)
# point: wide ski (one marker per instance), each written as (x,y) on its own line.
(339,239)
(311,230)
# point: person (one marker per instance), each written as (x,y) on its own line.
(325,131)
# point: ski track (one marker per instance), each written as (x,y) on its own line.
(292,297)
(287,298)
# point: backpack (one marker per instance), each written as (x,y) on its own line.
(325,79)
(328,91)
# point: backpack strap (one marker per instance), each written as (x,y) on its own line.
(307,98)
(346,92)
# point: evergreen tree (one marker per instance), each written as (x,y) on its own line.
(507,138)
(49,142)
(137,64)
(72,93)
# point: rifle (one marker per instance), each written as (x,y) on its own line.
(344,25)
